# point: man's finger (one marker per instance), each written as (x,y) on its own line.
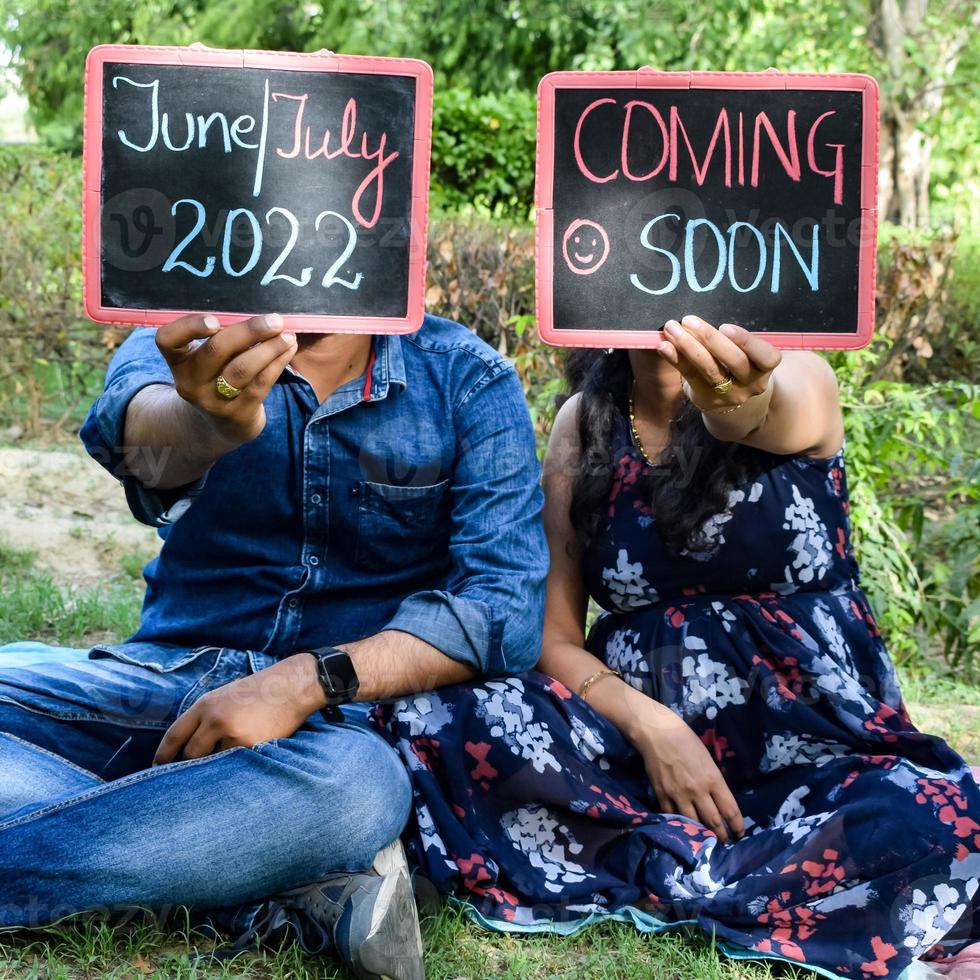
(721,348)
(176,737)
(176,340)
(242,370)
(761,353)
(202,743)
(262,383)
(210,359)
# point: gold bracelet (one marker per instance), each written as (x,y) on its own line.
(598,675)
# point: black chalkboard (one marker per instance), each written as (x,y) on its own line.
(638,224)
(243,190)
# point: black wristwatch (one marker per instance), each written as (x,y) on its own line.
(336,674)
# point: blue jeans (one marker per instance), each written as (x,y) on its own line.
(86,824)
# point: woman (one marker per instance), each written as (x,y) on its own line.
(737,754)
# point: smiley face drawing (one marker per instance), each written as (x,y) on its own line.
(585,246)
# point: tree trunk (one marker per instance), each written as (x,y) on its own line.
(913,97)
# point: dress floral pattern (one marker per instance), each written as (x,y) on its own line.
(863,845)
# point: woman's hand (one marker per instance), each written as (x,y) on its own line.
(683,774)
(707,357)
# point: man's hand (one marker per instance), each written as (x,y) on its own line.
(249,355)
(272,703)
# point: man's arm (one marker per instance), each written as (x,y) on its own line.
(275,702)
(392,664)
(188,427)
(159,425)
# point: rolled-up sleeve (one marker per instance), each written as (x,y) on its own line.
(490,614)
(137,364)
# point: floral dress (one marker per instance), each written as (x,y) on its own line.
(862,850)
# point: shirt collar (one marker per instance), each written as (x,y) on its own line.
(387,368)
(389,365)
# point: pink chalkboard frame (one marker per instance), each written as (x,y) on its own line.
(199,55)
(552,334)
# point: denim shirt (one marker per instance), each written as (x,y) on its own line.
(409,500)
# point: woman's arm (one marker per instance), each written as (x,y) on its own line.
(788,402)
(682,772)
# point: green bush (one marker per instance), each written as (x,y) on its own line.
(53,356)
(913,457)
(483,152)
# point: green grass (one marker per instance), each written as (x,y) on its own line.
(938,688)
(36,607)
(453,948)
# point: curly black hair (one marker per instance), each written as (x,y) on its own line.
(690,481)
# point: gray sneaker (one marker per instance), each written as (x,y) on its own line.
(371,917)
(369,920)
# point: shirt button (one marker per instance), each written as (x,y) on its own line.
(314,560)
(316,498)
(293,603)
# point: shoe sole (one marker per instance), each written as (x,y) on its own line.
(393,947)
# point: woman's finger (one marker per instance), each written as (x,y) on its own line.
(728,809)
(668,352)
(686,809)
(691,349)
(761,353)
(720,347)
(712,818)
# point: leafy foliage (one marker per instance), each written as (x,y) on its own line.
(913,455)
(483,151)
(498,46)
(47,343)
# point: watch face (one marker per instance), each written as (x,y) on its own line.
(337,676)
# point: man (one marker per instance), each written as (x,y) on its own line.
(346,519)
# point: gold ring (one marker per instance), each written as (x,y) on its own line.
(226,390)
(725,385)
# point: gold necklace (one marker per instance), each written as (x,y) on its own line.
(637,441)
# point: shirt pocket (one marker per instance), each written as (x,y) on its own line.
(401,526)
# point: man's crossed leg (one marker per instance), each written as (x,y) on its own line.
(87,823)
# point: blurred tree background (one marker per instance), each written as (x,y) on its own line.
(912,399)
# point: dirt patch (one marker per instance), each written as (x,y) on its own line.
(63,507)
